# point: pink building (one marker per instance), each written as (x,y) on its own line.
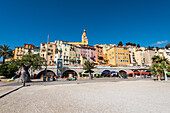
(88,53)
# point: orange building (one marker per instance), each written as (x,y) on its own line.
(99,55)
(20,51)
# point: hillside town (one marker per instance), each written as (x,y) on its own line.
(77,53)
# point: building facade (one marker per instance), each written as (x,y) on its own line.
(87,53)
(118,56)
(99,57)
(28,48)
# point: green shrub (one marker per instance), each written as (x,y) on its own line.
(8,70)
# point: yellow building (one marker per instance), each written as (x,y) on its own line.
(18,52)
(106,47)
(84,40)
(118,56)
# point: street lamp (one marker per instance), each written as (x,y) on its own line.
(46,57)
(166,79)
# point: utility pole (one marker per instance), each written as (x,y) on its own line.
(47,56)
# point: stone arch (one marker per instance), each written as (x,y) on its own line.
(121,72)
(106,73)
(43,73)
(68,73)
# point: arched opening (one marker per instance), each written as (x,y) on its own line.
(123,74)
(69,73)
(40,74)
(106,73)
(114,73)
(86,73)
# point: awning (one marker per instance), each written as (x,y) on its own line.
(167,72)
(106,72)
(85,73)
(137,72)
(114,72)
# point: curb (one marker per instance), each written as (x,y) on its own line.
(10,91)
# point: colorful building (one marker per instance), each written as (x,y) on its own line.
(87,53)
(28,48)
(136,55)
(118,56)
(99,60)
(48,52)
(74,55)
(18,52)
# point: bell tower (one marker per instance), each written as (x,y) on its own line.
(84,38)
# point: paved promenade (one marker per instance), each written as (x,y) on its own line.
(141,96)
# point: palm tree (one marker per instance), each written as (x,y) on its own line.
(88,66)
(158,66)
(5,52)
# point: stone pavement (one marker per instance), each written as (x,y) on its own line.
(141,96)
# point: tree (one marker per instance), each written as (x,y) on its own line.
(157,48)
(161,48)
(150,48)
(8,70)
(5,52)
(138,45)
(128,43)
(133,44)
(120,44)
(29,62)
(158,66)
(89,66)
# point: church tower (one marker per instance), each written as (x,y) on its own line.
(84,38)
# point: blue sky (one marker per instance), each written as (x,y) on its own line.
(146,22)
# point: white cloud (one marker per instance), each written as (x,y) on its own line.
(160,42)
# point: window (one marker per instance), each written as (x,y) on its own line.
(67,45)
(51,46)
(65,49)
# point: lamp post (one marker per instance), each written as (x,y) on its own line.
(166,79)
(46,57)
